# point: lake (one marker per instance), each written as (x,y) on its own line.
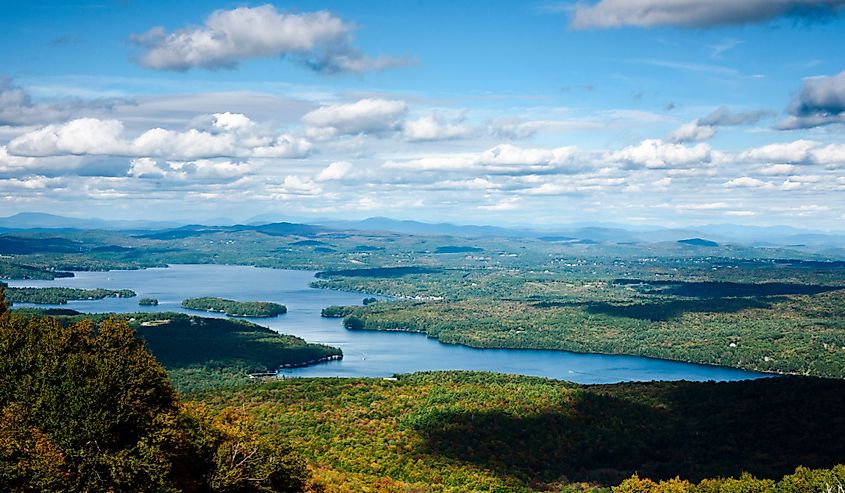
(366,353)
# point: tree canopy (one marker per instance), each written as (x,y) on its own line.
(86,407)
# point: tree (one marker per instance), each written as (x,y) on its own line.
(88,408)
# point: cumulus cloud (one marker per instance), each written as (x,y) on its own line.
(9,162)
(693,131)
(655,153)
(335,171)
(506,204)
(30,183)
(319,40)
(229,135)
(695,13)
(295,185)
(705,128)
(582,184)
(777,170)
(428,128)
(502,159)
(80,136)
(206,170)
(747,182)
(796,152)
(366,116)
(821,101)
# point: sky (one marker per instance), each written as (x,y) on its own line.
(642,112)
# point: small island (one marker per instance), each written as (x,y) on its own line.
(60,296)
(232,308)
(336,311)
(148,302)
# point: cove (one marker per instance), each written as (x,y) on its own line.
(366,353)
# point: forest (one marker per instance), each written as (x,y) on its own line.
(232,308)
(467,431)
(60,296)
(200,352)
(87,408)
(791,334)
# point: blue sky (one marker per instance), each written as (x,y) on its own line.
(638,111)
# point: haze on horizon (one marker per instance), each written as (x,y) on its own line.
(536,113)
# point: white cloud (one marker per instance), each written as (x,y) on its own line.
(507,204)
(9,162)
(320,40)
(31,183)
(504,158)
(335,171)
(77,137)
(796,152)
(777,170)
(747,182)
(655,153)
(428,128)
(692,13)
(201,170)
(703,207)
(367,116)
(231,136)
(582,184)
(791,185)
(830,154)
(145,168)
(232,122)
(472,184)
(296,185)
(693,131)
(791,152)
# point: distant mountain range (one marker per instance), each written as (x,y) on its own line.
(698,236)
(39,220)
(420,228)
(701,236)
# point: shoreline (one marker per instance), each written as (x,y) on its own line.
(760,373)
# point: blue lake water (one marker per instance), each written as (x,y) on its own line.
(366,353)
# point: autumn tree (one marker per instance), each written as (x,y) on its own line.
(87,408)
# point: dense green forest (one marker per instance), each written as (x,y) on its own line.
(148,302)
(201,352)
(13,270)
(335,311)
(85,407)
(466,431)
(256,309)
(60,296)
(796,334)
